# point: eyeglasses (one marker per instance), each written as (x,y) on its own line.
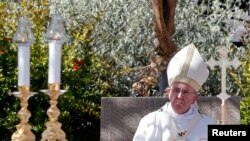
(176,91)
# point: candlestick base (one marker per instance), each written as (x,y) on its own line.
(53,131)
(23,132)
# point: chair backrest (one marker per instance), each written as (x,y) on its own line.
(233,110)
(120,116)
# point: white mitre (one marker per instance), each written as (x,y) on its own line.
(188,66)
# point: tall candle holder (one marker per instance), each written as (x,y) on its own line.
(55,36)
(23,38)
(23,132)
(53,131)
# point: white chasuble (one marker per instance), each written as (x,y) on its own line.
(165,125)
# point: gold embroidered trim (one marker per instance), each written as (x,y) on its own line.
(187,80)
(188,59)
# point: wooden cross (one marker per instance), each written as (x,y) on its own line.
(223,63)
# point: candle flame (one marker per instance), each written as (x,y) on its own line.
(23,40)
(56,37)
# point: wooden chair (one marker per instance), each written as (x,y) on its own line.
(120,116)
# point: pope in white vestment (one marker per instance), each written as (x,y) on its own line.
(179,119)
(165,125)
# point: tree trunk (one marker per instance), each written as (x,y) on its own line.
(164,11)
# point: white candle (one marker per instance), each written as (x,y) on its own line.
(23,65)
(54,62)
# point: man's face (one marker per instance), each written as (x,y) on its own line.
(181,96)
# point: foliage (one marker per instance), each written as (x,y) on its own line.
(213,29)
(215,24)
(125,33)
(244,86)
(8,103)
(244,82)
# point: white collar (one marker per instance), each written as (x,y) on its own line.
(188,115)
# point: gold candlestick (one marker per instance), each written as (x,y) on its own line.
(23,132)
(53,131)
